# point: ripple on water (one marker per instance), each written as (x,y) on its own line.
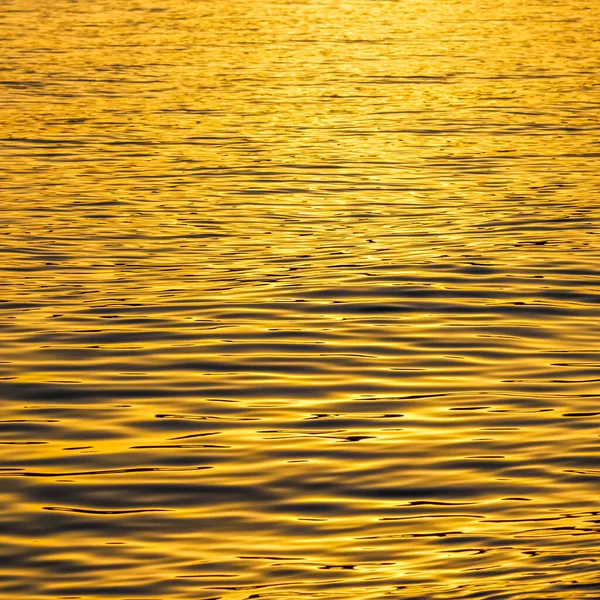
(299,300)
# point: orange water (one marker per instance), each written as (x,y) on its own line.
(299,300)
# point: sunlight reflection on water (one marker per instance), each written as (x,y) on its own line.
(299,299)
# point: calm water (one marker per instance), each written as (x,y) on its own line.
(300,300)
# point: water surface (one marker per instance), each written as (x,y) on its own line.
(299,299)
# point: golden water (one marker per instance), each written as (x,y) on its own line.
(299,299)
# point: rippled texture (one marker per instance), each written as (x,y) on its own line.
(299,299)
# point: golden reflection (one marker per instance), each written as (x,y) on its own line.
(299,299)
